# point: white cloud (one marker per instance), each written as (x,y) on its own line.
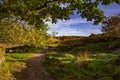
(72,22)
(66,27)
(66,23)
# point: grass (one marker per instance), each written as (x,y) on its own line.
(86,62)
(93,61)
(69,67)
(101,47)
(33,50)
(17,56)
(14,64)
(90,47)
(104,56)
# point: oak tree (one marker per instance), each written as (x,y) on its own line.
(37,11)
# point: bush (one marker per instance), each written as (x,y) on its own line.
(18,49)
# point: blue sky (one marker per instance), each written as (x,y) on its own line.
(80,27)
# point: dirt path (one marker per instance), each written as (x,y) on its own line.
(35,69)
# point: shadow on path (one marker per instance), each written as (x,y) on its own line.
(34,69)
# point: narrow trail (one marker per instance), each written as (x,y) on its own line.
(35,69)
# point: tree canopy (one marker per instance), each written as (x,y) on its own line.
(14,32)
(37,11)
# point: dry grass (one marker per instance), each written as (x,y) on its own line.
(83,57)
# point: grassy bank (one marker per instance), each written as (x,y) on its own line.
(14,64)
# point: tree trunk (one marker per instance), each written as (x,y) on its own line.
(2,55)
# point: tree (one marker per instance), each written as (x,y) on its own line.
(13,31)
(111,25)
(54,33)
(37,11)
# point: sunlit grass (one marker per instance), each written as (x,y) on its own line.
(85,66)
(17,56)
(14,63)
(104,56)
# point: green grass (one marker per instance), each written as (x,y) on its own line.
(70,67)
(33,50)
(14,64)
(103,47)
(93,61)
(17,56)
(104,56)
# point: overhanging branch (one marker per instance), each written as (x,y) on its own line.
(45,4)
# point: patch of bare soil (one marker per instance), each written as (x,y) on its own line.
(35,69)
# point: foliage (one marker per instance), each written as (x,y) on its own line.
(103,47)
(35,12)
(111,25)
(94,42)
(68,38)
(18,49)
(13,31)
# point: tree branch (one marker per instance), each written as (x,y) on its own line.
(45,4)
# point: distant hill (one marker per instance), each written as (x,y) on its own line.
(67,38)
